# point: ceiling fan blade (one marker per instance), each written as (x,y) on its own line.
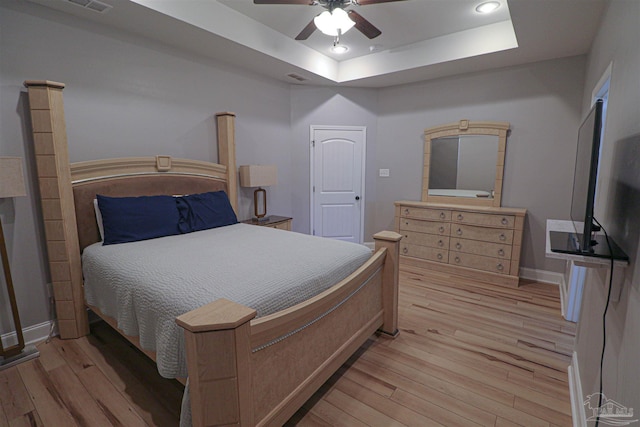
(307,2)
(364,26)
(366,2)
(306,31)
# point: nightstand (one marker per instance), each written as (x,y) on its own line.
(274,221)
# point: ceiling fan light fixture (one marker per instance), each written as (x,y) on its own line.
(333,23)
(487,7)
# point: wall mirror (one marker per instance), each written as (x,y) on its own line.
(464,163)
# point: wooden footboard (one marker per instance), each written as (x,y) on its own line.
(249,372)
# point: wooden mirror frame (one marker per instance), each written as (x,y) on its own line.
(466,127)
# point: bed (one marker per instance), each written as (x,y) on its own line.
(242,369)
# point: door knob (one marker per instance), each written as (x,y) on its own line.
(357,197)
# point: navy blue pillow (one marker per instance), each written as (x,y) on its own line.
(129,219)
(205,210)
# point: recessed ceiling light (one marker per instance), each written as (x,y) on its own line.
(339,49)
(487,7)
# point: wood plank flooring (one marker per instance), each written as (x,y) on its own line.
(469,353)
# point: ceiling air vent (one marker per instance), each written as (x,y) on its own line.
(94,5)
(296,77)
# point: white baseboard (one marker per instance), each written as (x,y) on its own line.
(547,277)
(32,334)
(563,298)
(575,392)
(542,276)
(370,245)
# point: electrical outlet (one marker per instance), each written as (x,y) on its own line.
(384,172)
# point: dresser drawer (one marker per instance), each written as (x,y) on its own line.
(479,262)
(423,239)
(430,227)
(487,220)
(424,252)
(426,213)
(496,250)
(494,235)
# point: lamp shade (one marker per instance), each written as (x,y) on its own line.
(11,177)
(258,175)
(330,22)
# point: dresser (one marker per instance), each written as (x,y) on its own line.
(480,242)
(273,221)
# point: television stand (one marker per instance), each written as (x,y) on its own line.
(563,233)
(568,243)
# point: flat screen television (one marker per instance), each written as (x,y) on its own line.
(584,242)
(585,178)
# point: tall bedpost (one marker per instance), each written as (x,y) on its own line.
(227,153)
(58,211)
(218,344)
(390,279)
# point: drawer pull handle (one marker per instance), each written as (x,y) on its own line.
(406,211)
(440,243)
(457,259)
(406,223)
(405,250)
(501,252)
(406,236)
(503,237)
(441,229)
(500,267)
(458,246)
(439,256)
(460,217)
(459,232)
(442,215)
(505,221)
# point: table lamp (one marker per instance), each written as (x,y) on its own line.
(259,176)
(12,185)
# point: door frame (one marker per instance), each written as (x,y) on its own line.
(312,130)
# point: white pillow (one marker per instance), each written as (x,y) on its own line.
(96,208)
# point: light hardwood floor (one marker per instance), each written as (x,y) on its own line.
(469,353)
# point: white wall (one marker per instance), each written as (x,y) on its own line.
(618,209)
(125,96)
(542,103)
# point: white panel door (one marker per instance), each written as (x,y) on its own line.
(337,182)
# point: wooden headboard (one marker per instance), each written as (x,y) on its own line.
(67,192)
(136,177)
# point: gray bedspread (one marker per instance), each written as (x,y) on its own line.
(146,285)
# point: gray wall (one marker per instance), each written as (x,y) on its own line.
(618,209)
(541,101)
(443,169)
(331,106)
(125,96)
(477,162)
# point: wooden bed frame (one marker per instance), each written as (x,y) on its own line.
(242,371)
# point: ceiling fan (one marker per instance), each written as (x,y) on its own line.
(335,11)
